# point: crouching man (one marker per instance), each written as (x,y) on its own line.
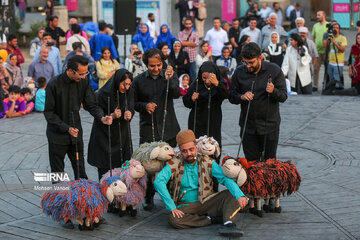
(192,200)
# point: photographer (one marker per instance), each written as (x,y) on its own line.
(134,63)
(336,55)
(296,65)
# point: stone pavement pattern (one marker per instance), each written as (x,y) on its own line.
(320,134)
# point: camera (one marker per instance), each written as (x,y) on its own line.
(49,44)
(330,30)
(137,53)
(301,51)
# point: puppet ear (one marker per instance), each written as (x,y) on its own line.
(155,153)
(110,194)
(217,150)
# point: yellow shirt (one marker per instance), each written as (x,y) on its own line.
(341,40)
(103,68)
(3,54)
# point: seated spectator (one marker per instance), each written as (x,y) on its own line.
(76,49)
(204,54)
(54,56)
(13,70)
(165,36)
(14,105)
(12,48)
(180,59)
(184,83)
(68,33)
(296,65)
(26,94)
(106,66)
(164,48)
(275,51)
(41,67)
(5,78)
(40,95)
(143,39)
(37,42)
(134,63)
(227,61)
(76,37)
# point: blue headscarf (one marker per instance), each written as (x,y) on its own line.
(226,61)
(165,37)
(146,40)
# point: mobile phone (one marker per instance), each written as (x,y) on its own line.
(210,49)
(49,44)
(137,52)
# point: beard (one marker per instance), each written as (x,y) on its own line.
(253,69)
(190,159)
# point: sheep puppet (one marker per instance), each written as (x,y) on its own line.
(266,180)
(205,145)
(84,201)
(133,174)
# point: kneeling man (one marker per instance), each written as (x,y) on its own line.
(192,200)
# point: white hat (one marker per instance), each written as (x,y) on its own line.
(303,30)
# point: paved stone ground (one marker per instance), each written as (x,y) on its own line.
(321,134)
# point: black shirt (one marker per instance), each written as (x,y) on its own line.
(241,83)
(56,34)
(64,96)
(234,33)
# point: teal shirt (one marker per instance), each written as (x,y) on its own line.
(190,183)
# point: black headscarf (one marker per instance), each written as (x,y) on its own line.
(209,67)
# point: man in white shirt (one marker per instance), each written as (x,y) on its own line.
(264,11)
(152,25)
(76,37)
(216,37)
(252,31)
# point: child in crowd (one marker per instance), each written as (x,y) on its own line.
(14,105)
(227,61)
(26,94)
(184,81)
(40,95)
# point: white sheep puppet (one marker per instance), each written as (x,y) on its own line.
(153,156)
(208,146)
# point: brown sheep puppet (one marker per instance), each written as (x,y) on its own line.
(266,180)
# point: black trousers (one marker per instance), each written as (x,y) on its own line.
(57,154)
(150,190)
(254,144)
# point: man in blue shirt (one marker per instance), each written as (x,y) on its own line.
(191,199)
(100,40)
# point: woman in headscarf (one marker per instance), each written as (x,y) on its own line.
(275,51)
(13,70)
(354,68)
(164,48)
(204,54)
(227,61)
(122,110)
(184,83)
(245,39)
(165,36)
(179,59)
(143,38)
(106,66)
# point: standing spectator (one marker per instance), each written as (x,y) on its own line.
(263,122)
(184,83)
(272,27)
(275,51)
(183,8)
(227,61)
(41,67)
(234,32)
(164,48)
(296,65)
(245,39)
(296,13)
(76,37)
(180,59)
(40,95)
(110,31)
(143,39)
(231,49)
(200,19)
(190,41)
(37,42)
(13,70)
(336,57)
(252,12)
(277,11)
(106,66)
(354,68)
(252,31)
(68,33)
(54,54)
(225,26)
(288,11)
(77,50)
(21,4)
(303,32)
(300,22)
(134,63)
(204,54)
(14,105)
(5,79)
(152,26)
(264,12)
(49,9)
(12,48)
(165,36)
(100,40)
(318,32)
(216,37)
(149,96)
(55,31)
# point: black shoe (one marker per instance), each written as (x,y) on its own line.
(314,89)
(230,230)
(216,220)
(270,207)
(149,204)
(122,213)
(68,225)
(133,212)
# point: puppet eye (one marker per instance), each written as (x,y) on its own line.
(236,163)
(115,184)
(166,148)
(204,142)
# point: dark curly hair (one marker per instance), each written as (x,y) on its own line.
(152,52)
